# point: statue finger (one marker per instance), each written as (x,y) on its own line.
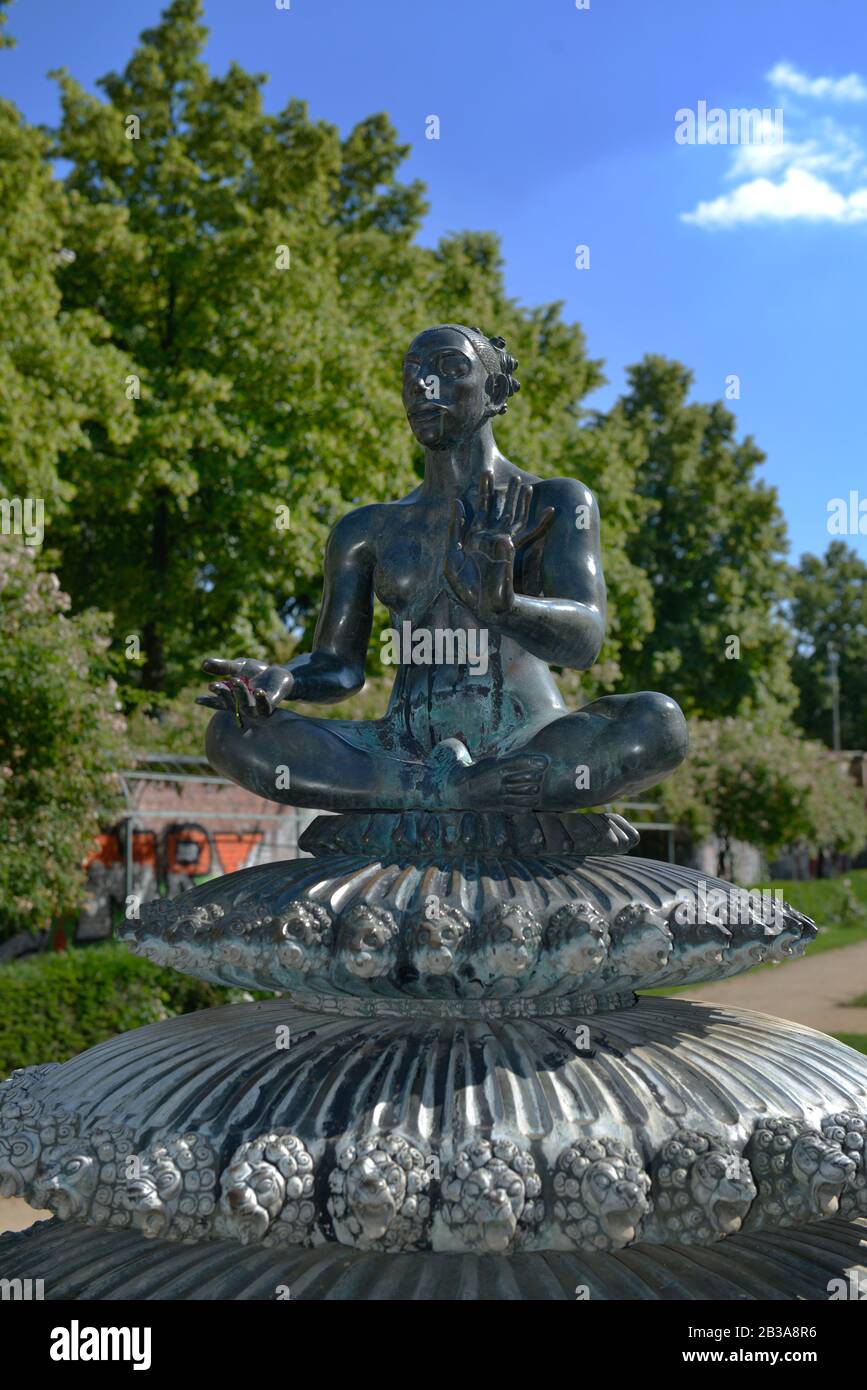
(510,502)
(542,525)
(241,666)
(522,511)
(219,666)
(272,685)
(487,496)
(210,702)
(224,693)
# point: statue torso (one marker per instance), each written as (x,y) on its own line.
(500,689)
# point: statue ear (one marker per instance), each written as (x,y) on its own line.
(497,388)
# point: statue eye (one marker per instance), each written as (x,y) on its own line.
(370,939)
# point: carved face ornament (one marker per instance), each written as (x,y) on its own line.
(723,1186)
(436,942)
(614,1199)
(68,1183)
(494,1198)
(253,1195)
(374,1192)
(824,1168)
(152,1194)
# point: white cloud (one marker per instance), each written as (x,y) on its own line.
(791,79)
(801,196)
(831,151)
(817,174)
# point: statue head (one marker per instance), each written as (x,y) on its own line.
(454,379)
(507,942)
(438,940)
(68,1177)
(367,941)
(491,1193)
(267,1191)
(379,1193)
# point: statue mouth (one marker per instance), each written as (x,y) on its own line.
(728,1215)
(827,1197)
(437,961)
(56,1199)
(620,1225)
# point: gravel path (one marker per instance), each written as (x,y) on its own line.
(16,1215)
(814,991)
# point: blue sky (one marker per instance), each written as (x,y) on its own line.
(557,128)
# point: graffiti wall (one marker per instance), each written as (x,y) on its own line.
(177,833)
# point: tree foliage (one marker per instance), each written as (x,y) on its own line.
(753,781)
(829,609)
(710,543)
(61,736)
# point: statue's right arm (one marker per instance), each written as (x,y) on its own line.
(334,669)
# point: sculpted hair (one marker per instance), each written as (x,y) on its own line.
(493,354)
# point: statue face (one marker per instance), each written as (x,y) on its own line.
(825,1168)
(68,1181)
(374,1192)
(368,946)
(152,1196)
(444,391)
(436,942)
(252,1197)
(614,1199)
(730,1188)
(512,945)
(494,1198)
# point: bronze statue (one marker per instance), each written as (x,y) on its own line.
(479,549)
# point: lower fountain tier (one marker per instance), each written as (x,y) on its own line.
(669,1121)
(824,1261)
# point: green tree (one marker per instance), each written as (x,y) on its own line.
(754,781)
(59,378)
(829,609)
(267,379)
(61,735)
(710,543)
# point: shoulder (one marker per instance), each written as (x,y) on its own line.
(574,506)
(564,492)
(355,533)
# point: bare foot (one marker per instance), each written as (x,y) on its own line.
(513,780)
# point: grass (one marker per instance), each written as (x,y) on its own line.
(856,1040)
(859,1003)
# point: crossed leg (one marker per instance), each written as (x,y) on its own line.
(613,747)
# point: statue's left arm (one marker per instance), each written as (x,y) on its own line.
(564,621)
(565,626)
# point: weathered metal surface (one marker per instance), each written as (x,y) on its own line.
(82,1262)
(465,934)
(667,1121)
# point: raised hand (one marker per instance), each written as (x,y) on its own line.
(249,689)
(480,562)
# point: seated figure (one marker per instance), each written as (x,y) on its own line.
(480,549)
